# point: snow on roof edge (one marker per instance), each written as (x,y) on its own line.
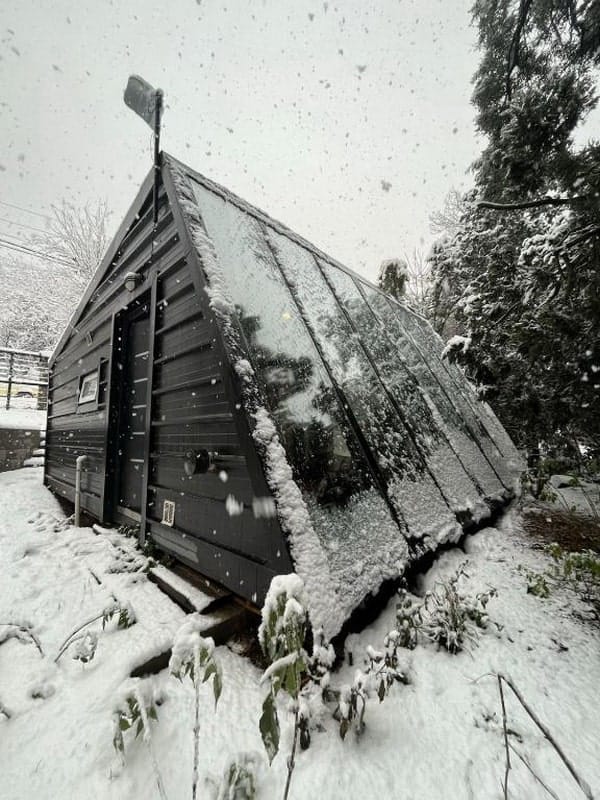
(280,227)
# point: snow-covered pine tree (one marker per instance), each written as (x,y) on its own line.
(521,277)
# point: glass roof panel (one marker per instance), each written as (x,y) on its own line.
(350,516)
(452,457)
(413,490)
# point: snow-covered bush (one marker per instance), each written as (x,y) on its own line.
(281,636)
(135,708)
(408,620)
(383,669)
(193,655)
(451,618)
(537,584)
(307,678)
(85,647)
(580,571)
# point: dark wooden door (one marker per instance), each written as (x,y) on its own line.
(132,416)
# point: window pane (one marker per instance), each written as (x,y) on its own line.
(411,488)
(452,458)
(89,388)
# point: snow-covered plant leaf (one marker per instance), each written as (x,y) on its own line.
(269,726)
(85,647)
(136,708)
(193,655)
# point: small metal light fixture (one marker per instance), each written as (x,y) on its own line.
(197,462)
(132,281)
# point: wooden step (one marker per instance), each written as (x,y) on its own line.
(221,625)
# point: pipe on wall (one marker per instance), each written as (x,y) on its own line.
(80,462)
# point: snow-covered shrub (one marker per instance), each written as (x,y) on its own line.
(85,647)
(193,655)
(451,618)
(122,611)
(536,582)
(408,620)
(281,636)
(580,571)
(352,704)
(383,669)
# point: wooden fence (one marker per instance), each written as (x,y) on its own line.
(23,378)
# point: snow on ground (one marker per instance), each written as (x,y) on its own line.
(439,737)
(23,419)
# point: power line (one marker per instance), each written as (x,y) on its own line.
(26,210)
(21,248)
(22,225)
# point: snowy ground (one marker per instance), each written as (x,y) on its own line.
(439,737)
(22,418)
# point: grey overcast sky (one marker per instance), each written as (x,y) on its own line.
(349,121)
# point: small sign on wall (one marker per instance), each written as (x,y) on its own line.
(168,513)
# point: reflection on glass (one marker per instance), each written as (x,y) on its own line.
(492,437)
(462,437)
(299,393)
(411,488)
(447,455)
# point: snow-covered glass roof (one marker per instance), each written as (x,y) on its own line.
(387,443)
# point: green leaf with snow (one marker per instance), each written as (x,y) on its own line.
(269,727)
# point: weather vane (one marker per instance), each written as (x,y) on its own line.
(147,102)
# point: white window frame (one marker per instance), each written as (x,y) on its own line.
(90,378)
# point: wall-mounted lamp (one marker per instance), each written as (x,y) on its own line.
(197,462)
(132,281)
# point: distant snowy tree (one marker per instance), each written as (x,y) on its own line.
(408,279)
(393,277)
(447,220)
(36,302)
(76,236)
(521,274)
(39,296)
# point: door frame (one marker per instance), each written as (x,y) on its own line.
(139,307)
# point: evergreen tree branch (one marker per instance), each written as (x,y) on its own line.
(538,203)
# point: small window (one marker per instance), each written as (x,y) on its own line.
(88,391)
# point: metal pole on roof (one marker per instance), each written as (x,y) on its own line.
(147,102)
(157,116)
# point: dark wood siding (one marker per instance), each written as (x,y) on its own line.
(75,429)
(194,404)
(194,408)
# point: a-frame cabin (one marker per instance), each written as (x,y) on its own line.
(257,408)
